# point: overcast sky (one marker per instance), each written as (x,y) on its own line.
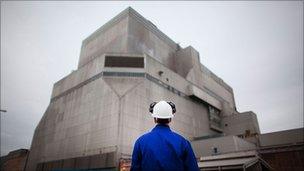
(255,47)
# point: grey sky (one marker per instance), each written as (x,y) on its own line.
(256,47)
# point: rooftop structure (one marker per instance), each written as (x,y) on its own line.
(14,160)
(245,160)
(283,150)
(98,111)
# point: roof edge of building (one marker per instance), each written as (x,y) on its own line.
(134,14)
(216,78)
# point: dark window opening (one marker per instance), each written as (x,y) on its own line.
(124,61)
(214,117)
(214,150)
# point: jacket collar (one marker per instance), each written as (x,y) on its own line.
(161,127)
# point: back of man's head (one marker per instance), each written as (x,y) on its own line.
(162,111)
(162,121)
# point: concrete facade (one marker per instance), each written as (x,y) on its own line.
(244,125)
(102,108)
(286,137)
(223,144)
(238,161)
(283,150)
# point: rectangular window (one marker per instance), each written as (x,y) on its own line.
(124,61)
(215,119)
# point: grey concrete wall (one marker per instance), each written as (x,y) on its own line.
(213,76)
(142,40)
(111,38)
(282,137)
(224,144)
(182,100)
(130,33)
(168,76)
(190,120)
(84,73)
(83,122)
(182,63)
(187,64)
(176,80)
(237,124)
(109,113)
(219,90)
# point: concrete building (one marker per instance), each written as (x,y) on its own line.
(283,150)
(98,111)
(242,160)
(220,145)
(14,161)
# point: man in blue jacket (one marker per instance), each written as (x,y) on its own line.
(162,149)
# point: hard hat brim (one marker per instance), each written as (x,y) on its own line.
(162,117)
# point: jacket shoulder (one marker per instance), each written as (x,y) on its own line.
(179,136)
(143,137)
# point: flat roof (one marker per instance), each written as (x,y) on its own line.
(228,162)
(234,160)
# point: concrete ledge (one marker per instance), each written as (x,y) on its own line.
(197,92)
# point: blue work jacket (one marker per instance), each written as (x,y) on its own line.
(163,150)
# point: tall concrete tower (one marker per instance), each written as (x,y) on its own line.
(98,111)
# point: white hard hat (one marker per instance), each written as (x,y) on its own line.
(162,110)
